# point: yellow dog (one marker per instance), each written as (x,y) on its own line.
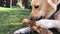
(41,8)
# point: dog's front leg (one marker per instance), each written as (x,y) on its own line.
(23,31)
(36,28)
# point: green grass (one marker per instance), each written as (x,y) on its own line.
(11,19)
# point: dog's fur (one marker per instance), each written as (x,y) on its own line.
(48,24)
(57,15)
(44,8)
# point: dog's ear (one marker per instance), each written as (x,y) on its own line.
(53,3)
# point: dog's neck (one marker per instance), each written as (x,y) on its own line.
(52,16)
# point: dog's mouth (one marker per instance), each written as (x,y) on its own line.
(36,19)
(39,18)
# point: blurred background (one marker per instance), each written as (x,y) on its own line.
(15,3)
(12,12)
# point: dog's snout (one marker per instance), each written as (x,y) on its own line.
(32,18)
(36,18)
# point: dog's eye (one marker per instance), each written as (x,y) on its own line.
(36,7)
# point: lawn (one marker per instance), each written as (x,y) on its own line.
(11,19)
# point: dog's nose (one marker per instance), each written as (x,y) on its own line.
(32,18)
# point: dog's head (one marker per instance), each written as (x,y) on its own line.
(43,8)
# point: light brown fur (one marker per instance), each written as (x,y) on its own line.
(46,8)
